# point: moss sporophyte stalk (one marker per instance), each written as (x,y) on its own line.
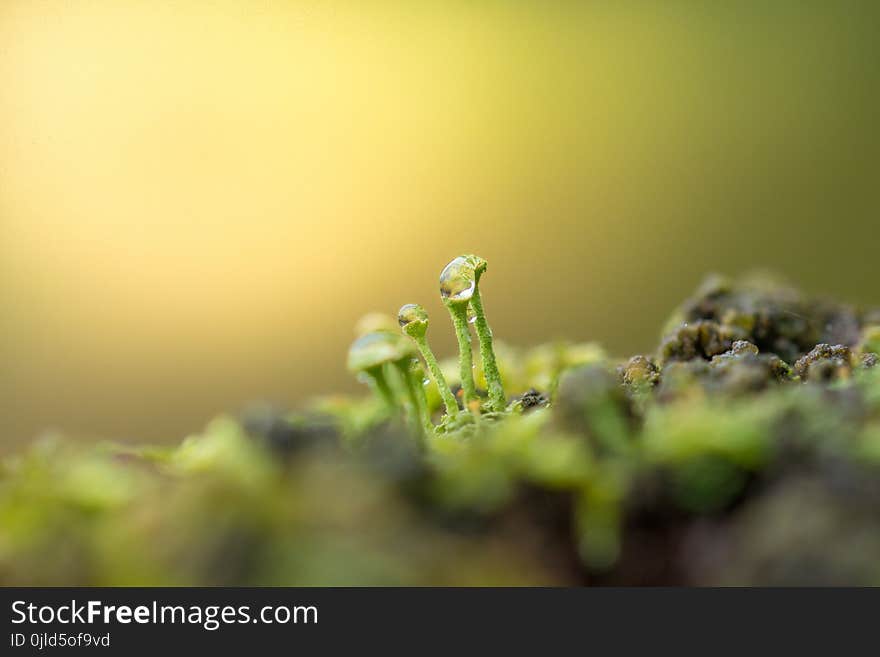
(460,291)
(497,400)
(457,284)
(413,320)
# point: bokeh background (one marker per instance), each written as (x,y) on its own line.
(199,199)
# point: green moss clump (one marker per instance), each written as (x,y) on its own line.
(745,450)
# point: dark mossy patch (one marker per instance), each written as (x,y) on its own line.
(699,339)
(532,399)
(775,317)
(825,363)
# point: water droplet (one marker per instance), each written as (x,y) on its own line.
(374,349)
(471,315)
(426,381)
(458,280)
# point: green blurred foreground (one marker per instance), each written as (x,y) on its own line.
(739,453)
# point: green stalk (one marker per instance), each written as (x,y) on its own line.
(398,373)
(414,414)
(458,311)
(434,368)
(416,392)
(497,399)
(380,385)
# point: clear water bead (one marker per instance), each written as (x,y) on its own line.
(458,280)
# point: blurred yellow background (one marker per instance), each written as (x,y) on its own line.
(199,199)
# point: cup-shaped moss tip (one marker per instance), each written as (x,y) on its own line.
(373,350)
(413,320)
(478,264)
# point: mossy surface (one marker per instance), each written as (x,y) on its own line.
(746,450)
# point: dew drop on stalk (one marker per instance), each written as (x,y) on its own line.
(471,315)
(458,280)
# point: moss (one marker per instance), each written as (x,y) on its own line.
(745,450)
(825,363)
(700,339)
(531,400)
(776,317)
(640,374)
